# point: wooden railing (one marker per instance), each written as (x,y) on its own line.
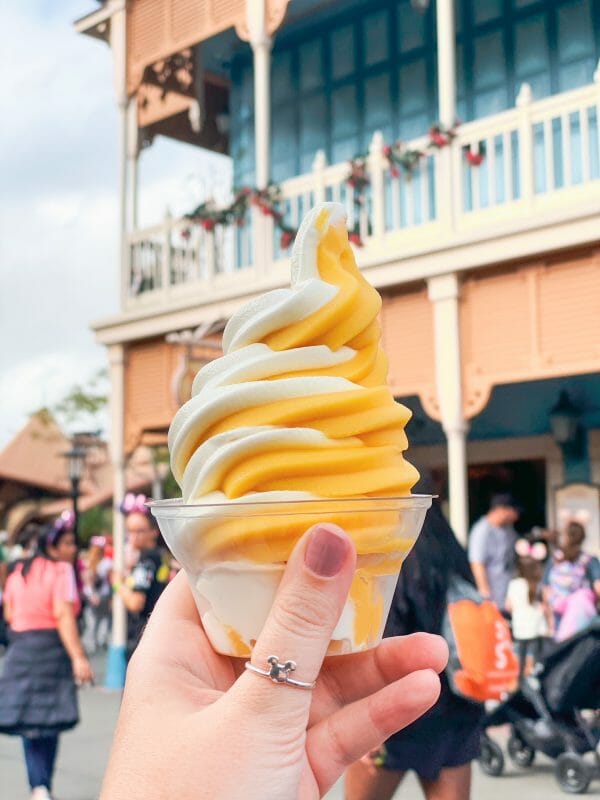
(539,156)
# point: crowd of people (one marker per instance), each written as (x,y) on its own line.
(57,599)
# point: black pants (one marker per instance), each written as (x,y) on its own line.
(40,757)
(526,647)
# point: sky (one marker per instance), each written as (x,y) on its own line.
(58,202)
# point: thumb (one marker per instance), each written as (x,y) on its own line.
(307,607)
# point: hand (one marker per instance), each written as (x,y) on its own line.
(195,725)
(371,761)
(82,670)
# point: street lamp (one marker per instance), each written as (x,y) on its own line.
(75,464)
(564,419)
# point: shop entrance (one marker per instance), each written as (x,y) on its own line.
(525,479)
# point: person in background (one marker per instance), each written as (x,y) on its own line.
(530,622)
(25,543)
(45,657)
(142,588)
(492,548)
(97,593)
(3,560)
(571,583)
(440,746)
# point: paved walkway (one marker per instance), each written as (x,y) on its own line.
(84,753)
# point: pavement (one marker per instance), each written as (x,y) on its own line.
(84,753)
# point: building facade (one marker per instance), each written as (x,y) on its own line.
(483,236)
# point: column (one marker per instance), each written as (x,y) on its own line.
(133,152)
(446,58)
(260,41)
(446,77)
(444,293)
(118,43)
(116,663)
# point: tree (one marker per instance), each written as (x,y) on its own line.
(85,403)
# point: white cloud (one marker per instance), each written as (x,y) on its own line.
(59,205)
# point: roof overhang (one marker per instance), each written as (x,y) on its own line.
(97,23)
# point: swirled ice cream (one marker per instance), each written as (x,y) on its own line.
(297,409)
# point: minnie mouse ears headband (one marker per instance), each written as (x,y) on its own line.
(65,522)
(536,550)
(134,504)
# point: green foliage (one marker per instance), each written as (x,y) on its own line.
(87,399)
(94,522)
(171,487)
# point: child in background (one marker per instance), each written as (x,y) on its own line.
(572,583)
(524,602)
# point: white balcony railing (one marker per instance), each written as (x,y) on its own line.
(540,156)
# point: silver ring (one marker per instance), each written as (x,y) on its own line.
(280,673)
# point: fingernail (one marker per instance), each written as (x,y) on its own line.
(325,552)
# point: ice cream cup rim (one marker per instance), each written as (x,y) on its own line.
(161,508)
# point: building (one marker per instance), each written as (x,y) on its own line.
(483,237)
(34,481)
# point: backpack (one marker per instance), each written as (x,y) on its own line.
(482,664)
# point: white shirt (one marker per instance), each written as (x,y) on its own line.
(528,619)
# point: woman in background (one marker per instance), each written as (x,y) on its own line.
(45,657)
(439,746)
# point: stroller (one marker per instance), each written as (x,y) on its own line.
(545,714)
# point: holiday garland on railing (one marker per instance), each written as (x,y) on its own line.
(400,158)
(208,215)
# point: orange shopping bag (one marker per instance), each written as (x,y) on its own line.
(482,664)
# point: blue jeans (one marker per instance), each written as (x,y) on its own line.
(40,755)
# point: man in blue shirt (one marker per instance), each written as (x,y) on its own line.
(492,548)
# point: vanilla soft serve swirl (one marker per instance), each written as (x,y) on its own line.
(298,406)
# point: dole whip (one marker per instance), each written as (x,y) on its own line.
(296,411)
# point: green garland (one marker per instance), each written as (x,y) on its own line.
(400,158)
(267,200)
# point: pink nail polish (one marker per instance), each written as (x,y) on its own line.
(325,553)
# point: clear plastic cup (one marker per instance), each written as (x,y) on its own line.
(234,555)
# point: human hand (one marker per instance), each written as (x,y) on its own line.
(373,759)
(195,724)
(82,670)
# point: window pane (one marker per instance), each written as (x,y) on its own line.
(342,52)
(311,65)
(460,70)
(531,48)
(414,126)
(413,87)
(378,102)
(489,67)
(344,150)
(344,112)
(312,123)
(540,85)
(488,103)
(246,92)
(576,74)
(484,10)
(575,31)
(283,134)
(282,82)
(411,28)
(376,27)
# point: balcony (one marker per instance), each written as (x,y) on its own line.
(536,189)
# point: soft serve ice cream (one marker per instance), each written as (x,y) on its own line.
(297,409)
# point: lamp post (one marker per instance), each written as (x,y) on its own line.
(564,419)
(75,464)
